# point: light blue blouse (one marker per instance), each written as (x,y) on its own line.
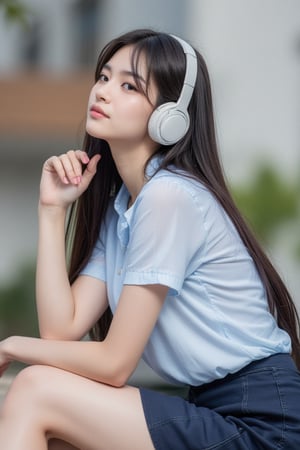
(215,319)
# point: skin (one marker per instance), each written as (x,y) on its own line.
(73,394)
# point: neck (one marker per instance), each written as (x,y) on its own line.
(131,166)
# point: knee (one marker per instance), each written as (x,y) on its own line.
(28,388)
(30,380)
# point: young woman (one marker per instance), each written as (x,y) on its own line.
(162,267)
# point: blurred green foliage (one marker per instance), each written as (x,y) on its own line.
(17,305)
(268,202)
(14,11)
(17,299)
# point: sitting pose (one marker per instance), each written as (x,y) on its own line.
(159,265)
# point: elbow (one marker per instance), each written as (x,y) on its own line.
(53,336)
(117,382)
(118,379)
(47,334)
(58,334)
(119,375)
(50,333)
(47,331)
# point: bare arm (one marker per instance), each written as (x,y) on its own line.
(111,361)
(63,312)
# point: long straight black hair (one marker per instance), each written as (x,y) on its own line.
(196,153)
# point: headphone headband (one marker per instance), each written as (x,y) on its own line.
(170,121)
(190,73)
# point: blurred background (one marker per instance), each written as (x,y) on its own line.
(48,51)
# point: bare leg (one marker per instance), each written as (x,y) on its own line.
(45,403)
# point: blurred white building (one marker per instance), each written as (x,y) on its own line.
(252,48)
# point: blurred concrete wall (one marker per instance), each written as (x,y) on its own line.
(252,51)
(252,48)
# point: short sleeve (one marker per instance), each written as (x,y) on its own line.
(96,264)
(165,235)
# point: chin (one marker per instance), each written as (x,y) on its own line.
(92,132)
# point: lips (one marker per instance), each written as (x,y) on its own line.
(97,112)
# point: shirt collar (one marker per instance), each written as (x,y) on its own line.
(122,198)
(153,165)
(121,203)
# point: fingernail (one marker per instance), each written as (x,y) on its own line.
(77,180)
(65,180)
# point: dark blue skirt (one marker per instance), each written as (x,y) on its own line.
(255,408)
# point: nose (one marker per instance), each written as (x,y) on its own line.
(102,92)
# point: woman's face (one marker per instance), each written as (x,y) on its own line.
(117,110)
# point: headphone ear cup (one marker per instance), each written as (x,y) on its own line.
(168,124)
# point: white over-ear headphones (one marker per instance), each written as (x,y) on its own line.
(170,121)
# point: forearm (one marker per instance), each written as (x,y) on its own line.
(86,358)
(111,361)
(54,298)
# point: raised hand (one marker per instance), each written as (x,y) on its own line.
(63,179)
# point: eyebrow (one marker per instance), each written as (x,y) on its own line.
(126,72)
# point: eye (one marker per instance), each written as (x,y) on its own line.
(103,77)
(129,87)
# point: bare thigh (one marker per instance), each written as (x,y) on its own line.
(86,414)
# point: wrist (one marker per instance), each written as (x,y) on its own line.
(8,346)
(53,211)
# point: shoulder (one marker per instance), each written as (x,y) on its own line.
(173,197)
(174,187)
